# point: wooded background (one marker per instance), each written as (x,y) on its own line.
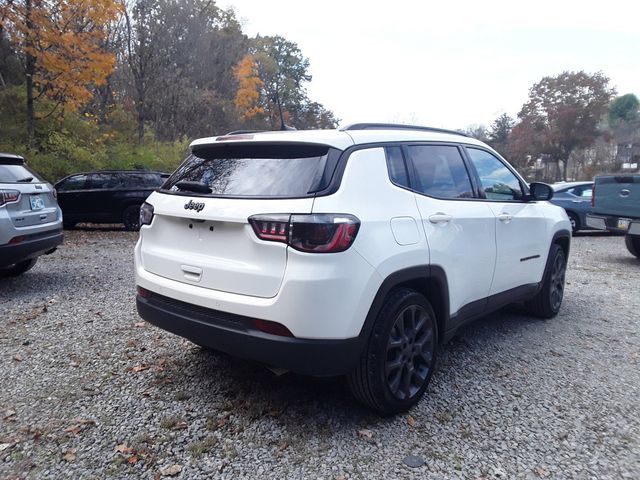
(93,84)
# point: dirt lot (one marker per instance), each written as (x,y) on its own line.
(90,391)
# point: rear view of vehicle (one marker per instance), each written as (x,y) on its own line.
(231,246)
(616,207)
(30,219)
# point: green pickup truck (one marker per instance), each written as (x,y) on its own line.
(616,207)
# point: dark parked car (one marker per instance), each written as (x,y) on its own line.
(575,198)
(112,196)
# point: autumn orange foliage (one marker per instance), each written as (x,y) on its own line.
(249,83)
(64,38)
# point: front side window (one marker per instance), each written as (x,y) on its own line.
(440,171)
(497,182)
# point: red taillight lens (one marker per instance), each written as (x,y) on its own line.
(317,233)
(143,292)
(9,196)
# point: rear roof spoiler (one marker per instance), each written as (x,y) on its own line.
(11,159)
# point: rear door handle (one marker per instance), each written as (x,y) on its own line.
(505,217)
(440,218)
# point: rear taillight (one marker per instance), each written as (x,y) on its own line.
(593,195)
(9,196)
(316,233)
(146,214)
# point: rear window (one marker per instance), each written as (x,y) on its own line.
(17,174)
(258,170)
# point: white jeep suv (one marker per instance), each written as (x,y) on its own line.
(346,252)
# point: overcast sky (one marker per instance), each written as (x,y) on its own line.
(447,63)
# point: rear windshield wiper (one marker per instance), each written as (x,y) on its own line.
(197,187)
(25,180)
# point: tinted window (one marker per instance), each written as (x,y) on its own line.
(396,166)
(440,171)
(256,170)
(497,181)
(141,180)
(105,180)
(77,182)
(16,173)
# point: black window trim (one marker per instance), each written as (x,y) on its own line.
(526,194)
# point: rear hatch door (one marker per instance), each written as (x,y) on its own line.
(205,239)
(36,204)
(618,195)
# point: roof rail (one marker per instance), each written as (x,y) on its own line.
(398,126)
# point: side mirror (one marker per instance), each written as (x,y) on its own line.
(540,191)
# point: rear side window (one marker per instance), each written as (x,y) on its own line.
(17,174)
(258,170)
(396,166)
(104,181)
(141,180)
(77,182)
(440,171)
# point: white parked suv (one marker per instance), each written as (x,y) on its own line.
(346,252)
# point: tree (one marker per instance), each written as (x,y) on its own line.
(565,111)
(283,71)
(60,45)
(477,131)
(625,108)
(499,132)
(249,84)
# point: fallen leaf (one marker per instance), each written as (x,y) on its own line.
(171,471)
(140,324)
(180,425)
(70,455)
(133,459)
(140,368)
(365,433)
(541,472)
(37,435)
(124,449)
(282,446)
(17,358)
(411,421)
(8,414)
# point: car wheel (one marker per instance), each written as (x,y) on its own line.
(575,222)
(399,359)
(18,268)
(131,217)
(546,304)
(633,244)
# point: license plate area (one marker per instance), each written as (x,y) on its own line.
(36,202)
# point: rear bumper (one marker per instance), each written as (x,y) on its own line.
(237,336)
(611,223)
(32,246)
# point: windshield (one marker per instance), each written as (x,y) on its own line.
(255,170)
(17,174)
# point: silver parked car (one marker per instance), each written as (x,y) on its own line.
(30,219)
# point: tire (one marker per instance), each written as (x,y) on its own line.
(575,222)
(131,218)
(547,303)
(397,363)
(18,268)
(633,244)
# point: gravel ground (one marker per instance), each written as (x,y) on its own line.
(90,391)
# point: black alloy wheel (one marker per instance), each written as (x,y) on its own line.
(400,355)
(558,272)
(409,352)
